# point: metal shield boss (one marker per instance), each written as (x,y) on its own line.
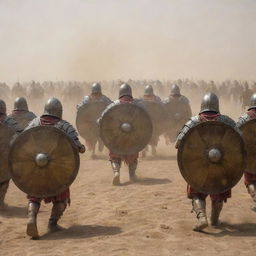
(126,128)
(6,134)
(86,119)
(211,157)
(249,137)
(157,114)
(43,161)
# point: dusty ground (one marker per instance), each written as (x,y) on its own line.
(151,217)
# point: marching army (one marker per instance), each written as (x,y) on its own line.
(213,150)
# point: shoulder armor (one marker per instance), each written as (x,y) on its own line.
(242,120)
(184,99)
(227,120)
(85,100)
(67,128)
(105,99)
(12,123)
(34,123)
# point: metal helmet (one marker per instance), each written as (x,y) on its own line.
(96,88)
(125,90)
(2,107)
(175,90)
(210,102)
(20,103)
(148,91)
(53,107)
(253,101)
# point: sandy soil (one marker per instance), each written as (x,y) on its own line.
(150,217)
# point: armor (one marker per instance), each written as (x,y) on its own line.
(121,128)
(20,104)
(148,91)
(199,206)
(2,107)
(125,90)
(253,102)
(211,156)
(96,88)
(210,102)
(53,107)
(175,90)
(44,160)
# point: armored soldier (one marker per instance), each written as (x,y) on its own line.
(52,116)
(125,96)
(21,113)
(12,125)
(94,103)
(249,135)
(153,105)
(209,112)
(178,112)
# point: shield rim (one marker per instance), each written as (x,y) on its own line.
(111,109)
(75,151)
(181,146)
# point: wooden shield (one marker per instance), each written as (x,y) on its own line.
(114,134)
(43,161)
(211,157)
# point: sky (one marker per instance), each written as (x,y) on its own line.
(121,39)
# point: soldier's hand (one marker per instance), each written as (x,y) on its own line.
(82,149)
(177,144)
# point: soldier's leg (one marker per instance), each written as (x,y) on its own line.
(3,190)
(132,169)
(215,213)
(217,205)
(116,165)
(33,208)
(100,145)
(58,209)
(250,183)
(199,206)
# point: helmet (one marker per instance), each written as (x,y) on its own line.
(175,90)
(148,91)
(20,104)
(53,107)
(96,88)
(125,90)
(2,107)
(253,102)
(210,102)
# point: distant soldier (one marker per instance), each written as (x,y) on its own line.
(178,112)
(154,106)
(18,90)
(52,116)
(247,123)
(21,113)
(246,96)
(88,111)
(125,130)
(8,128)
(212,159)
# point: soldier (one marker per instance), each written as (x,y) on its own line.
(52,116)
(97,97)
(246,95)
(178,113)
(156,113)
(249,173)
(5,176)
(125,96)
(21,113)
(209,112)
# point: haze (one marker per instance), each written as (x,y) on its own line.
(111,39)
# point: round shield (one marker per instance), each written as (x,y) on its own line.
(86,119)
(249,137)
(6,134)
(157,114)
(43,161)
(125,129)
(211,157)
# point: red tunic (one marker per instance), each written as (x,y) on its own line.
(250,178)
(192,193)
(65,195)
(128,159)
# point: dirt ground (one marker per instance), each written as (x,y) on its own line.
(150,217)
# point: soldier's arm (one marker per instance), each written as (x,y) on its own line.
(242,120)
